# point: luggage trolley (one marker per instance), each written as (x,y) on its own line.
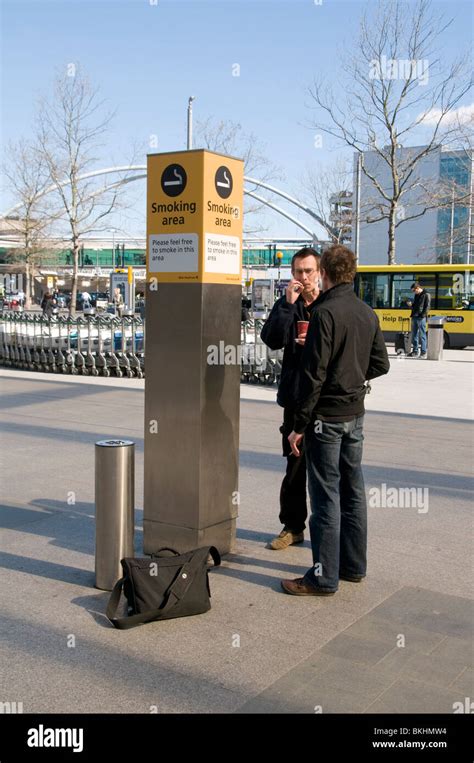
(21,330)
(89,358)
(100,358)
(112,359)
(122,355)
(8,361)
(15,352)
(51,355)
(140,346)
(29,344)
(43,358)
(247,351)
(60,356)
(263,369)
(70,366)
(131,354)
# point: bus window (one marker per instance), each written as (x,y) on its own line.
(454,292)
(373,289)
(428,283)
(382,291)
(365,288)
(402,295)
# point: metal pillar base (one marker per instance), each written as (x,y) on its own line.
(158,534)
(192,416)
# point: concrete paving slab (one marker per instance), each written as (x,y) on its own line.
(409,696)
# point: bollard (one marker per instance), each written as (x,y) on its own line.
(435,337)
(114,507)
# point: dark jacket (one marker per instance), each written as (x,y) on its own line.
(48,305)
(421,305)
(246,305)
(280,331)
(344,347)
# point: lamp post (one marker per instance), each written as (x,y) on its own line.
(190,122)
(357,209)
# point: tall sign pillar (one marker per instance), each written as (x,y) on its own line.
(193,309)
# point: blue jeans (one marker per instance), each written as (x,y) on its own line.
(418,330)
(338,522)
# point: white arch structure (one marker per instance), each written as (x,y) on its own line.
(143,170)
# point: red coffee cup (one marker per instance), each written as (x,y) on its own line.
(302,328)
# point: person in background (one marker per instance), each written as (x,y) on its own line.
(48,305)
(245,308)
(118,301)
(419,314)
(281,331)
(86,300)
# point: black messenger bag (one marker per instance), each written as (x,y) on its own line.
(161,586)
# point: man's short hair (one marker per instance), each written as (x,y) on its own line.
(340,264)
(416,285)
(306,251)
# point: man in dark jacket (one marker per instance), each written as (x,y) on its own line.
(344,347)
(281,331)
(48,305)
(419,313)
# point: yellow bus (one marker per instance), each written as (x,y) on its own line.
(386,288)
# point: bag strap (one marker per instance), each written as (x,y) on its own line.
(114,600)
(175,593)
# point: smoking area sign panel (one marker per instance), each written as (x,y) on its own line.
(167,251)
(222,254)
(194,217)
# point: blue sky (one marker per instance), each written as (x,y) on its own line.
(147,59)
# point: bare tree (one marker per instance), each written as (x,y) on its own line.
(27,177)
(71,128)
(328,191)
(227,137)
(395,90)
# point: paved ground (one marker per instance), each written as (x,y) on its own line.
(398,642)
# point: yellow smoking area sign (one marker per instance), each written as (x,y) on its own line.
(194,217)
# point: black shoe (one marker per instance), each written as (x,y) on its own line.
(351,578)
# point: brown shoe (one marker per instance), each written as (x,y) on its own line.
(285,539)
(300,587)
